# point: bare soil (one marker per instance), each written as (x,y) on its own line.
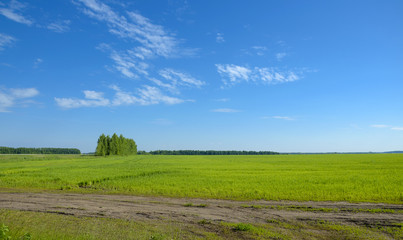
(141,208)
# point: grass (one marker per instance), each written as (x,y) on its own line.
(322,209)
(337,177)
(243,227)
(54,226)
(195,205)
(36,225)
(330,177)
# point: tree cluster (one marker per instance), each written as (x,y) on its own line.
(8,150)
(206,152)
(115,145)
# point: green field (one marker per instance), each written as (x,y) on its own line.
(328,177)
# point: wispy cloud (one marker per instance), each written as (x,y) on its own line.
(24,92)
(225,110)
(14,11)
(148,41)
(281,43)
(280,56)
(255,50)
(152,38)
(395,128)
(232,74)
(380,126)
(128,63)
(131,66)
(147,95)
(222,99)
(5,41)
(280,117)
(260,50)
(38,62)
(59,26)
(92,99)
(177,78)
(220,38)
(15,97)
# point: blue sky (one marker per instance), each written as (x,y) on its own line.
(288,76)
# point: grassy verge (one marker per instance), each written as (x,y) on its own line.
(34,225)
(57,226)
(322,209)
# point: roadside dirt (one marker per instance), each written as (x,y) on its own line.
(193,210)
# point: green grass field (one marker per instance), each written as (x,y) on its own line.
(330,177)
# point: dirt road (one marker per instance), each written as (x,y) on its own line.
(193,210)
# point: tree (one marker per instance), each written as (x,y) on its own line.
(115,145)
(21,150)
(101,146)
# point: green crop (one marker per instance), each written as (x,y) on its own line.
(327,177)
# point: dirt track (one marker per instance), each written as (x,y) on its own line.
(193,210)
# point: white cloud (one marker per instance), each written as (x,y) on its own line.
(282,43)
(280,117)
(172,80)
(169,86)
(5,41)
(37,62)
(153,39)
(14,12)
(379,126)
(220,38)
(232,74)
(150,41)
(128,63)
(260,50)
(179,78)
(15,97)
(222,100)
(24,92)
(60,26)
(147,95)
(93,95)
(395,128)
(92,99)
(273,76)
(76,103)
(225,110)
(280,56)
(123,98)
(6,101)
(152,95)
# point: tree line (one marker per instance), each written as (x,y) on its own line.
(206,152)
(21,150)
(115,145)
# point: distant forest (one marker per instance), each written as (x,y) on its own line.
(8,150)
(205,152)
